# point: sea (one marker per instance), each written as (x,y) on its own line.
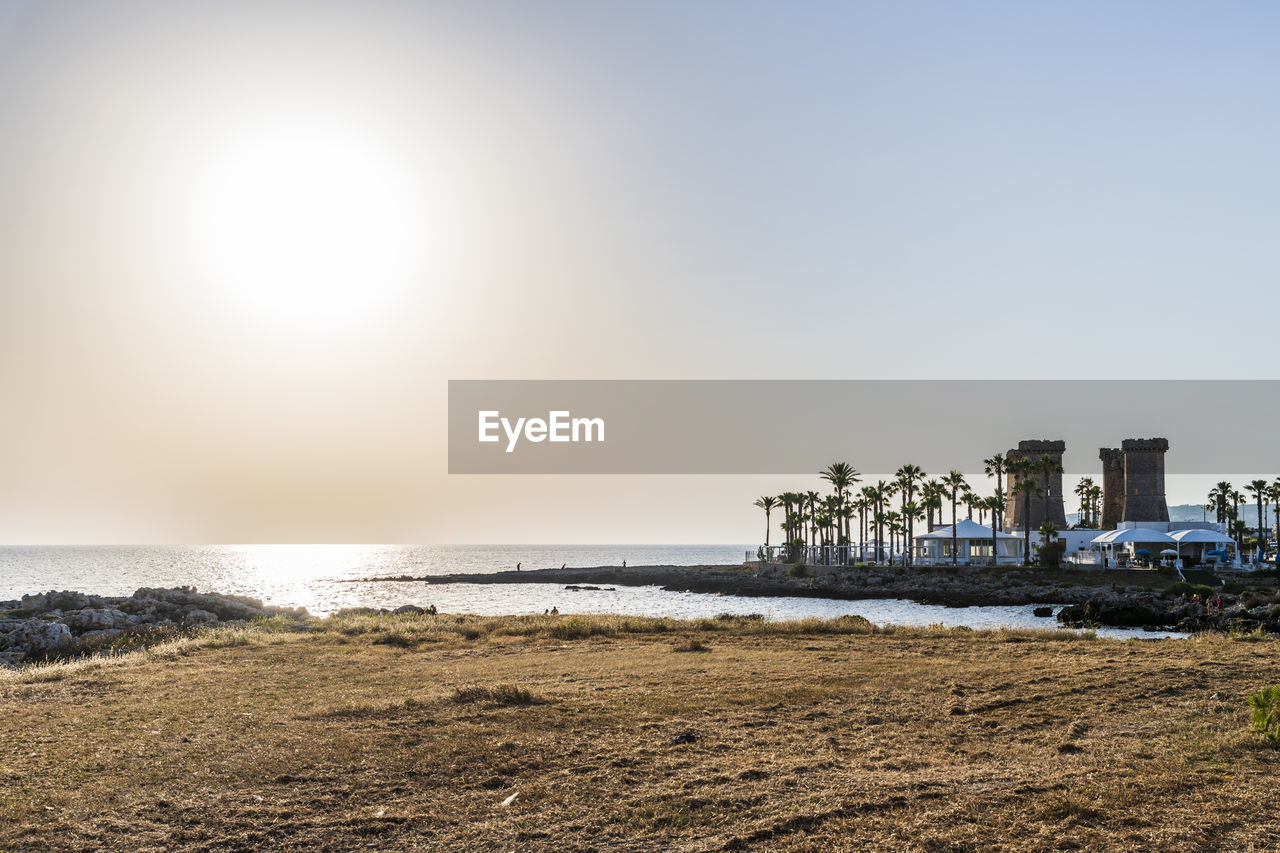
(327,578)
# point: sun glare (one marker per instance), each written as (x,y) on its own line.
(307,224)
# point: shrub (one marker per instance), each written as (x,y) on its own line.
(796,571)
(1266,713)
(395,638)
(692,644)
(131,639)
(500,694)
(1050,555)
(578,628)
(1184,588)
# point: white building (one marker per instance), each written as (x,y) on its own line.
(972,542)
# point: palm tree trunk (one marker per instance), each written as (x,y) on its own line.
(1259,521)
(1046,497)
(955,556)
(1026,527)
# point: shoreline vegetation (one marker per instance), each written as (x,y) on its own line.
(415,730)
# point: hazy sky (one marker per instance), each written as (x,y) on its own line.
(585,190)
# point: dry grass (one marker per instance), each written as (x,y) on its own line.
(778,736)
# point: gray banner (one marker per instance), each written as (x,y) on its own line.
(792,427)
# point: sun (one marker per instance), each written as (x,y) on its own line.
(308,223)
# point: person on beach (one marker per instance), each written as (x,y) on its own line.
(624,564)
(517,567)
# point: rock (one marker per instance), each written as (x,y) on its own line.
(1043,611)
(53,600)
(1129,611)
(413,608)
(195,614)
(35,636)
(358,611)
(94,619)
(53,619)
(104,634)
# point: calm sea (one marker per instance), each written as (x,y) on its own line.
(324,578)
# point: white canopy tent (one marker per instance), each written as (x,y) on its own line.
(1134,535)
(1202,537)
(973,543)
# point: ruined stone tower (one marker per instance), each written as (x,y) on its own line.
(1144,479)
(1112,486)
(1034,449)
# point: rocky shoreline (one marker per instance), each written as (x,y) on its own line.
(960,587)
(36,626)
(1110,599)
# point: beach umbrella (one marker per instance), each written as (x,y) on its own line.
(1168,552)
(1216,552)
(1142,551)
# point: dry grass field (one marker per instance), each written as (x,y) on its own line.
(571,733)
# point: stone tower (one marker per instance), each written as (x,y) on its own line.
(1033,450)
(1144,479)
(1112,486)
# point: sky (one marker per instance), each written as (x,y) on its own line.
(245,245)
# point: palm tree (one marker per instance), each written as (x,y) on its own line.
(995,503)
(970,500)
(1028,488)
(1047,465)
(932,492)
(1238,530)
(1048,532)
(1236,499)
(1260,490)
(766,503)
(894,519)
(1275,499)
(982,505)
(841,476)
(865,503)
(906,479)
(995,466)
(831,532)
(795,523)
(912,511)
(954,482)
(1084,491)
(1095,504)
(1218,498)
(881,494)
(811,500)
(1018,469)
(792,504)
